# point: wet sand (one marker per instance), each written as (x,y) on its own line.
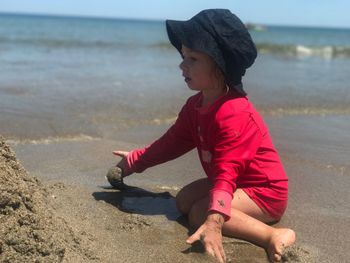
(142,225)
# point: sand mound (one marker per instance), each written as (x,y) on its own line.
(29,230)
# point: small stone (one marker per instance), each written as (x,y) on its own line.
(115,177)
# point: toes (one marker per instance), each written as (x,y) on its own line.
(276,253)
(282,239)
(277,258)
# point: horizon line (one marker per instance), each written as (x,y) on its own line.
(97,17)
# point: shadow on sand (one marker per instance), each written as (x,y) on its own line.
(137,200)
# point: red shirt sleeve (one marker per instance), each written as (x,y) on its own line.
(236,140)
(175,142)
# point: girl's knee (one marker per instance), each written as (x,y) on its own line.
(190,194)
(182,204)
(197,214)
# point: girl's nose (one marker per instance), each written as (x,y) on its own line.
(182,65)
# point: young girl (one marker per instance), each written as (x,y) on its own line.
(246,186)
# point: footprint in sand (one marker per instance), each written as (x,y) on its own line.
(134,222)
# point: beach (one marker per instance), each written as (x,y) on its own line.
(69,96)
(147,218)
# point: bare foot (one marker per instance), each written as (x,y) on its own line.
(281,239)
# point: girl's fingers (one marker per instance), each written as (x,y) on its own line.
(215,252)
(211,252)
(223,253)
(120,153)
(195,237)
(220,251)
(220,255)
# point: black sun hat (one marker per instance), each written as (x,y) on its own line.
(221,35)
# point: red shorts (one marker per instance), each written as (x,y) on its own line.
(272,199)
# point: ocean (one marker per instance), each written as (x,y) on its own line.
(72,76)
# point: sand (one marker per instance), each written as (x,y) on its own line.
(30,230)
(55,221)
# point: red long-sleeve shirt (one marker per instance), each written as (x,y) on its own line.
(233,143)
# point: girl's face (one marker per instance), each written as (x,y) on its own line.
(199,70)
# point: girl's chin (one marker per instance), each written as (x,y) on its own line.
(191,87)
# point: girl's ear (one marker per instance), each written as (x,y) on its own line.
(218,73)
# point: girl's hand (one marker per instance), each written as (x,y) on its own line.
(210,235)
(123,163)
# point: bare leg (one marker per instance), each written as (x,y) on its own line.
(192,193)
(248,225)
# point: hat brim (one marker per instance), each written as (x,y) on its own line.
(190,34)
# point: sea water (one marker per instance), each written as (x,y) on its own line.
(72,76)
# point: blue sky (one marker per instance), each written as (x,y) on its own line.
(329,13)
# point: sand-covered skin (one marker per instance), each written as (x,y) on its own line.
(29,229)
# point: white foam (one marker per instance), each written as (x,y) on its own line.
(326,52)
(50,140)
(164,187)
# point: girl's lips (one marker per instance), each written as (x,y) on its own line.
(187,79)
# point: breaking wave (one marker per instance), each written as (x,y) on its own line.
(290,50)
(327,52)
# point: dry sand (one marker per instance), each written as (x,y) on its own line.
(30,230)
(63,222)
